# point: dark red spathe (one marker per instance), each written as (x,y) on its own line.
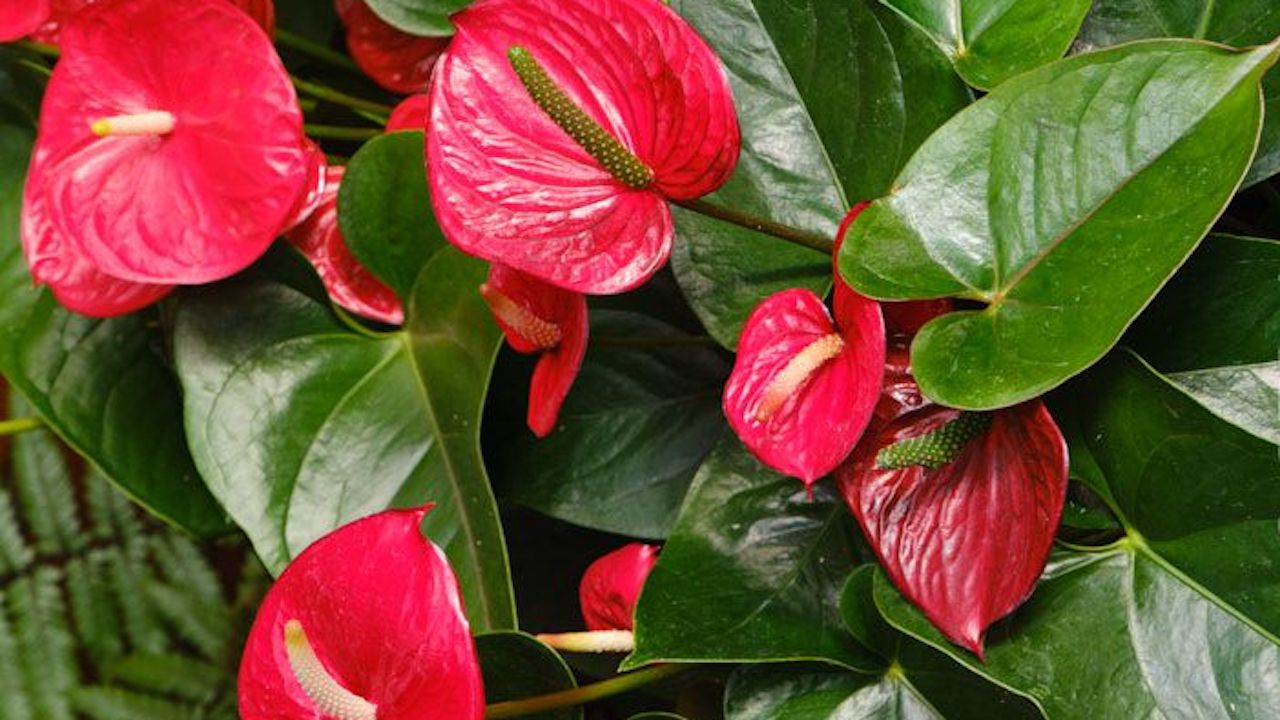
(611,586)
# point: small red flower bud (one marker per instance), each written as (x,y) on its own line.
(612,584)
(394,59)
(410,114)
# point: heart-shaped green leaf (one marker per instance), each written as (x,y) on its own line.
(419,17)
(833,97)
(752,572)
(1215,330)
(990,41)
(1237,23)
(518,666)
(643,413)
(300,424)
(1063,201)
(1179,619)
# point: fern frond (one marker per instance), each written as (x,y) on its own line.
(176,676)
(46,651)
(104,703)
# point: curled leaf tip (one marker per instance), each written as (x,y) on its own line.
(330,697)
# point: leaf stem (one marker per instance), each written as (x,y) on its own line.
(582,695)
(314,50)
(803,238)
(338,97)
(338,132)
(20,425)
(49,51)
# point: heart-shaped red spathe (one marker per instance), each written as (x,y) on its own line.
(394,59)
(819,423)
(611,587)
(965,542)
(381,612)
(59,12)
(410,114)
(20,18)
(512,186)
(193,205)
(527,309)
(349,283)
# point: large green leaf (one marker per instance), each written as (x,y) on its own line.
(643,413)
(1180,618)
(518,666)
(833,97)
(102,385)
(419,17)
(752,572)
(1215,331)
(384,208)
(990,41)
(300,424)
(1063,201)
(1235,22)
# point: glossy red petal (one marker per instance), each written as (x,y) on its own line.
(511,186)
(410,114)
(818,425)
(380,607)
(965,542)
(349,283)
(19,18)
(611,586)
(904,319)
(558,366)
(317,179)
(201,202)
(263,13)
(394,59)
(899,392)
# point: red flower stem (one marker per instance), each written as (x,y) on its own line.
(20,425)
(314,50)
(582,695)
(337,132)
(813,241)
(324,92)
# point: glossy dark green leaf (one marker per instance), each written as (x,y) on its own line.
(1179,619)
(517,666)
(384,209)
(300,424)
(1235,22)
(1215,331)
(1063,200)
(752,572)
(833,97)
(990,41)
(643,413)
(419,17)
(102,385)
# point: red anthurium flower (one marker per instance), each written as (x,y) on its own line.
(366,624)
(540,318)
(156,164)
(59,12)
(611,586)
(803,387)
(20,18)
(961,508)
(394,59)
(410,114)
(559,128)
(349,283)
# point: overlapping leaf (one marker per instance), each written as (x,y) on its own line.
(518,666)
(419,17)
(1062,201)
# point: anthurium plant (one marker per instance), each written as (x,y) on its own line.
(635,359)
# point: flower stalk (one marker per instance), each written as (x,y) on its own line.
(794,235)
(18,426)
(582,695)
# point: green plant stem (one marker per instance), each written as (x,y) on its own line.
(337,132)
(49,51)
(20,425)
(654,341)
(803,238)
(337,97)
(314,50)
(583,695)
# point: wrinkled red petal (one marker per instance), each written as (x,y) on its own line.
(317,179)
(380,606)
(904,319)
(511,186)
(965,542)
(557,367)
(819,424)
(394,59)
(611,586)
(410,114)
(899,392)
(349,283)
(19,18)
(263,13)
(200,203)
